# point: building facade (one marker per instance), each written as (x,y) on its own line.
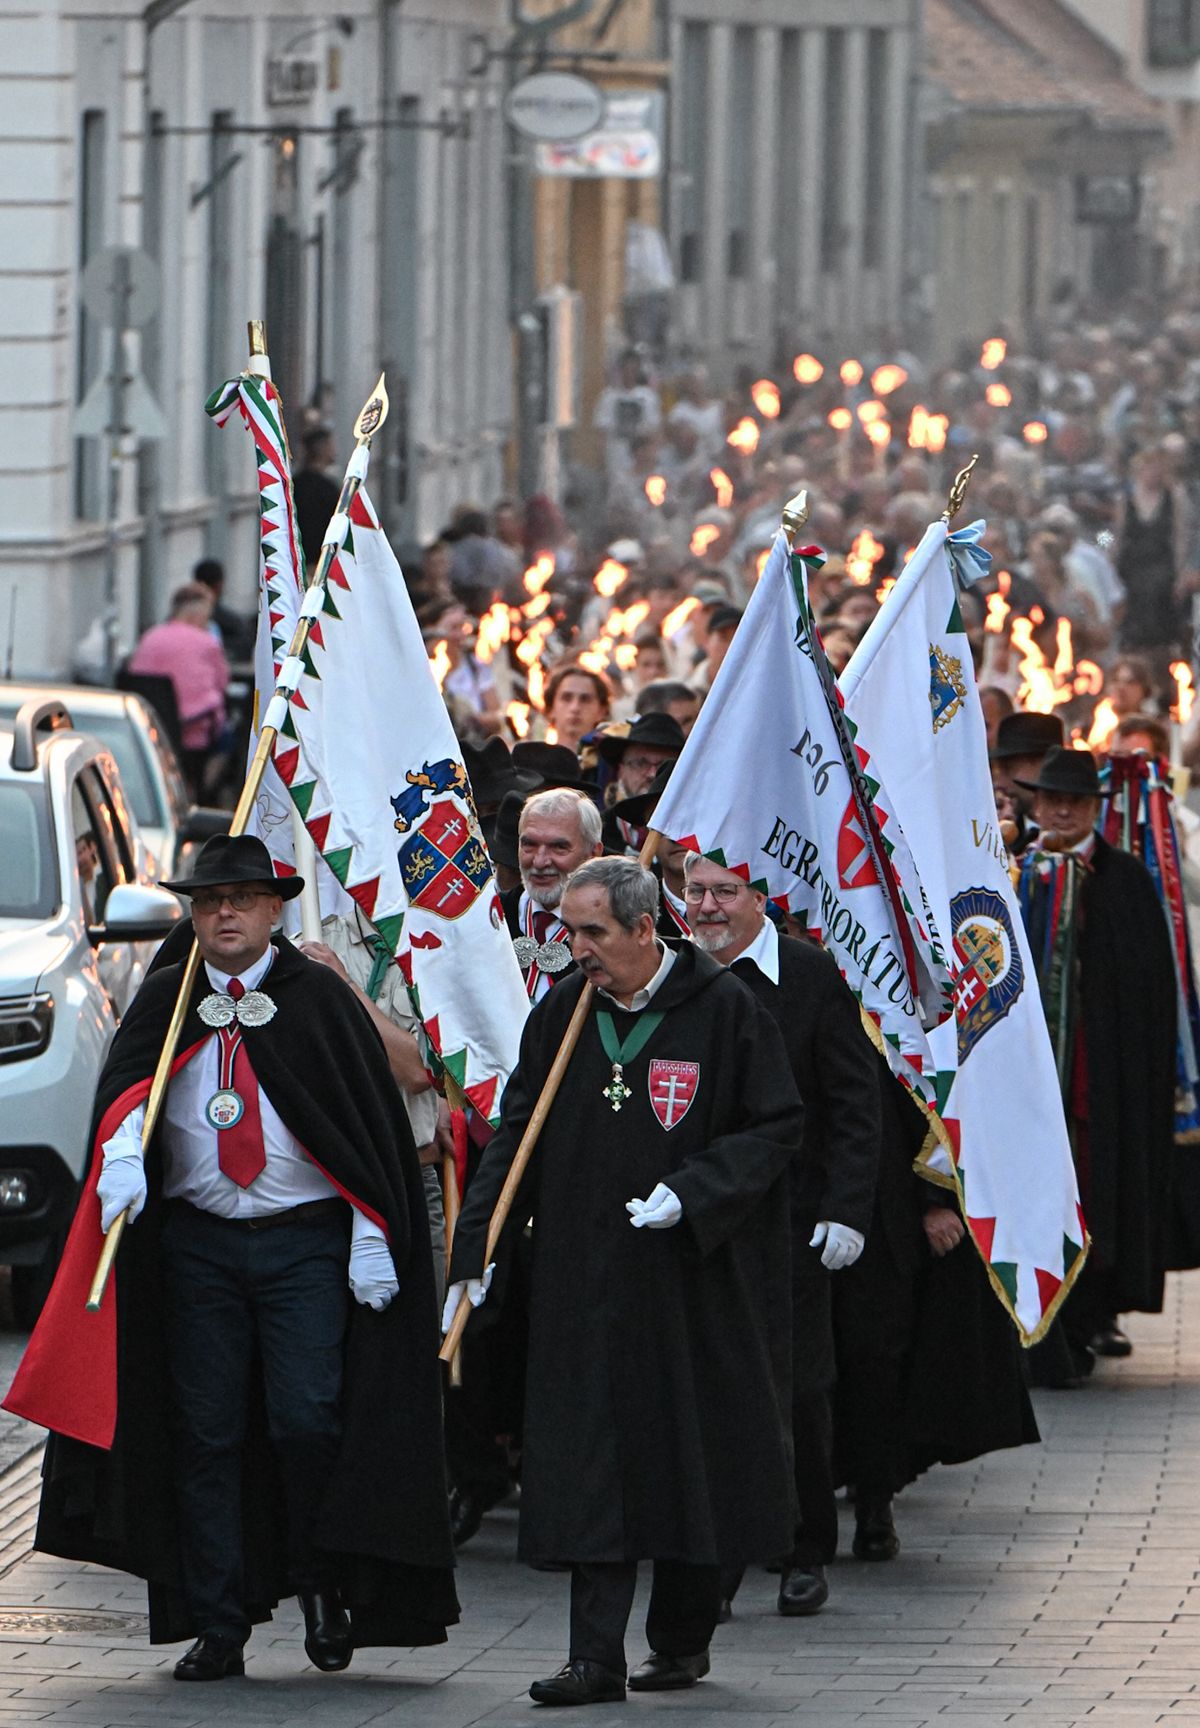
(342,177)
(794,174)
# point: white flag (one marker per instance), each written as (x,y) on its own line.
(368,757)
(772,785)
(910,689)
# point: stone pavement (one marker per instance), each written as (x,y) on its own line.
(1052,1586)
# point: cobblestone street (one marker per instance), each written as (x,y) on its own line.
(1055,1585)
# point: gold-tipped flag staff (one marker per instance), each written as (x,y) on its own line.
(371,417)
(795,515)
(958,490)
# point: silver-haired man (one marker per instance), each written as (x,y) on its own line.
(658,1396)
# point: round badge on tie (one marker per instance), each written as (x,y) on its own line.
(224,1109)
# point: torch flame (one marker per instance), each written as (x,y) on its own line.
(999,395)
(765,396)
(703,537)
(626,656)
(722,486)
(517,714)
(865,552)
(1064,658)
(851,373)
(1039,690)
(1104,723)
(998,607)
(529,649)
(880,434)
(1035,432)
(885,588)
(656,490)
(927,431)
(994,350)
(495,629)
(870,410)
(1185,691)
(1089,679)
(760,563)
(744,436)
(439,660)
(840,419)
(679,615)
(807,369)
(537,683)
(887,378)
(539,573)
(609,578)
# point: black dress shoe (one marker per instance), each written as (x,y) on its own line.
(211,1658)
(659,1673)
(1111,1341)
(328,1640)
(467,1508)
(580,1682)
(804,1590)
(875,1535)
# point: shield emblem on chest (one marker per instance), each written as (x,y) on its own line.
(673,1086)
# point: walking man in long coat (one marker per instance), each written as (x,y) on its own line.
(658,1401)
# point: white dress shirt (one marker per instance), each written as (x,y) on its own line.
(763,951)
(190,1168)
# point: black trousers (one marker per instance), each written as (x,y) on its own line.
(813,1376)
(239,1302)
(684,1603)
(874,1315)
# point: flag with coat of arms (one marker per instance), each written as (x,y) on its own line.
(773,785)
(910,690)
(368,757)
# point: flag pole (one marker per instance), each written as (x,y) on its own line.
(371,417)
(958,490)
(532,1134)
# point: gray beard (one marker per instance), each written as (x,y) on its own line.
(547,898)
(713,944)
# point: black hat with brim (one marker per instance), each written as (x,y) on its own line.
(493,773)
(1027,733)
(557,764)
(1071,771)
(236,858)
(657,731)
(506,825)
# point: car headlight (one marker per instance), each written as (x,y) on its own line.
(25,1023)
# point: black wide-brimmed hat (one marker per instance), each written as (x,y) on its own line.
(658,731)
(1026,733)
(506,826)
(493,772)
(638,810)
(228,858)
(557,765)
(1072,771)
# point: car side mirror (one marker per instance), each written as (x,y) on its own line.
(135,912)
(202,822)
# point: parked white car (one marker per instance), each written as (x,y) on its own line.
(79,922)
(129,727)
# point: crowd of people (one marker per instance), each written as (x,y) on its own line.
(723,1291)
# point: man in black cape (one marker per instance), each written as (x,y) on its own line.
(171,1455)
(832,1177)
(658,1396)
(1108,986)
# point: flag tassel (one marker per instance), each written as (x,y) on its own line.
(371,417)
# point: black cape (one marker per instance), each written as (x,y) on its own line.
(384,1519)
(658,1409)
(1128,1012)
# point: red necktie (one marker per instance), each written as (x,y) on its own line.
(240,1150)
(542,921)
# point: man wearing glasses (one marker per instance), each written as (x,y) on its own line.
(275,1418)
(832,1176)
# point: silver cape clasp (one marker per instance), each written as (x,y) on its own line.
(219,1009)
(549,957)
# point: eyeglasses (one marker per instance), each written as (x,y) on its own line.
(639,763)
(725,893)
(241,899)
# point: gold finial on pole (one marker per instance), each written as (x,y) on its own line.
(958,491)
(256,333)
(795,515)
(372,414)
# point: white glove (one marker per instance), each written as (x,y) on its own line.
(122,1184)
(658,1212)
(842,1245)
(372,1273)
(476,1289)
(121,1188)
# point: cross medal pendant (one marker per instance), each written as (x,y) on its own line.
(616,1091)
